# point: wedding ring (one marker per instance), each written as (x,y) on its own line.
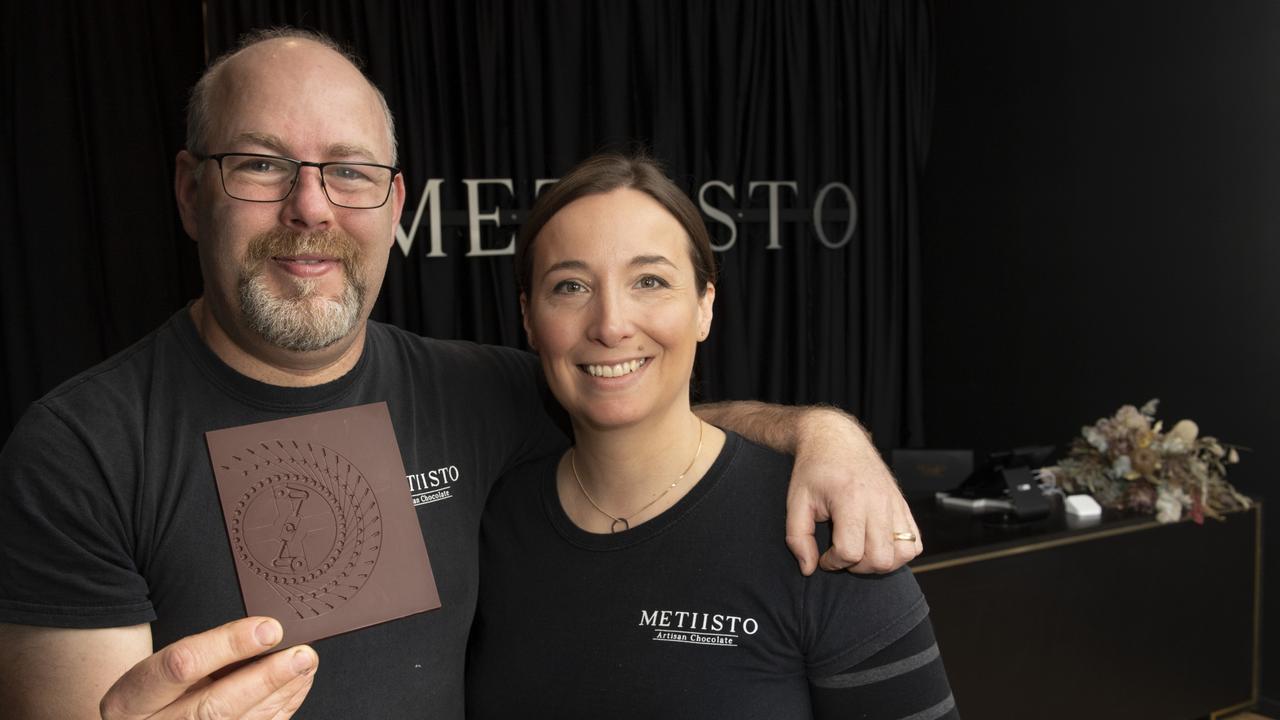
(905,536)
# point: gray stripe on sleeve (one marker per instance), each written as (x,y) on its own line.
(878,674)
(936,711)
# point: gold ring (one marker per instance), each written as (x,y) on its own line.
(905,536)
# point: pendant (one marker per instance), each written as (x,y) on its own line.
(619,521)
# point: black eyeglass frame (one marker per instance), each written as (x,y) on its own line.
(297,171)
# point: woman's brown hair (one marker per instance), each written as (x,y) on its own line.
(604,173)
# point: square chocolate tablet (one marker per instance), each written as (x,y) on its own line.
(323,532)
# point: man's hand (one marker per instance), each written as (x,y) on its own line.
(186,679)
(839,476)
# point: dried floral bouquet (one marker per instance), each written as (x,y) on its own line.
(1127,462)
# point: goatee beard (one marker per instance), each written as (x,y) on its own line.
(303,320)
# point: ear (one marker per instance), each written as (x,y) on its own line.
(186,187)
(397,203)
(524,317)
(705,312)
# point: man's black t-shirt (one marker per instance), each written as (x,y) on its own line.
(110,513)
(700,612)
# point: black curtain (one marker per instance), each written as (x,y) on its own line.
(733,91)
(93,256)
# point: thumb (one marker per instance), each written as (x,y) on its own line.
(800,529)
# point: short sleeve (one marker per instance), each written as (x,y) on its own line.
(848,618)
(65,556)
(540,418)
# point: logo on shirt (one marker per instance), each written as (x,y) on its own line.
(697,628)
(433,485)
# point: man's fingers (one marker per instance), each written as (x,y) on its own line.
(908,551)
(885,553)
(802,520)
(163,677)
(258,691)
(852,523)
(294,701)
(848,544)
(283,703)
(904,551)
(805,548)
(881,550)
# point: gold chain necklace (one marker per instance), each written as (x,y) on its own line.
(613,527)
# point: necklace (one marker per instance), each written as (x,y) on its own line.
(573,454)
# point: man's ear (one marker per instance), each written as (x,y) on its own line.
(524,317)
(186,185)
(397,203)
(705,312)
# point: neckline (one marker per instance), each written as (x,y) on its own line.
(640,533)
(265,395)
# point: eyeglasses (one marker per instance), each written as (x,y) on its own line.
(253,177)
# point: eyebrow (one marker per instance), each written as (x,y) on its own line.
(347,150)
(637,261)
(277,145)
(565,265)
(643,260)
(266,140)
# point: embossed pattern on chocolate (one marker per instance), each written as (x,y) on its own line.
(310,525)
(317,510)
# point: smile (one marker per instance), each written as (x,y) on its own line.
(307,266)
(304,259)
(610,371)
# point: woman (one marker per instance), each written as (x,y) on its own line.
(644,573)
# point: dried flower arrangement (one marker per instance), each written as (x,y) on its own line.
(1127,462)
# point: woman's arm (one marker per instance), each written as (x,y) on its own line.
(838,476)
(906,679)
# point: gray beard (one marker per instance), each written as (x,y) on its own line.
(304,322)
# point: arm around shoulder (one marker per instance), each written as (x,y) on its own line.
(838,476)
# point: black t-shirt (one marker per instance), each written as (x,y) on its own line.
(110,513)
(700,612)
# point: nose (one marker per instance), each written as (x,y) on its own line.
(307,208)
(611,321)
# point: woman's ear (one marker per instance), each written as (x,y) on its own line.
(705,313)
(524,317)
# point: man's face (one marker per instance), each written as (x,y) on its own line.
(300,316)
(302,273)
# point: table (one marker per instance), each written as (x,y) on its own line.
(1125,619)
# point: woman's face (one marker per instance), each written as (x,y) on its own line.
(613,309)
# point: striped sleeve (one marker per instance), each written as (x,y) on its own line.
(904,681)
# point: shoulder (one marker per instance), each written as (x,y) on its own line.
(756,458)
(843,618)
(112,390)
(756,472)
(96,418)
(484,378)
(517,509)
(456,354)
(519,489)
(848,618)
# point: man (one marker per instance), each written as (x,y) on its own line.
(114,546)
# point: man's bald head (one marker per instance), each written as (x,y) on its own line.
(201,110)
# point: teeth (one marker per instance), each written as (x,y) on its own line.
(618,370)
